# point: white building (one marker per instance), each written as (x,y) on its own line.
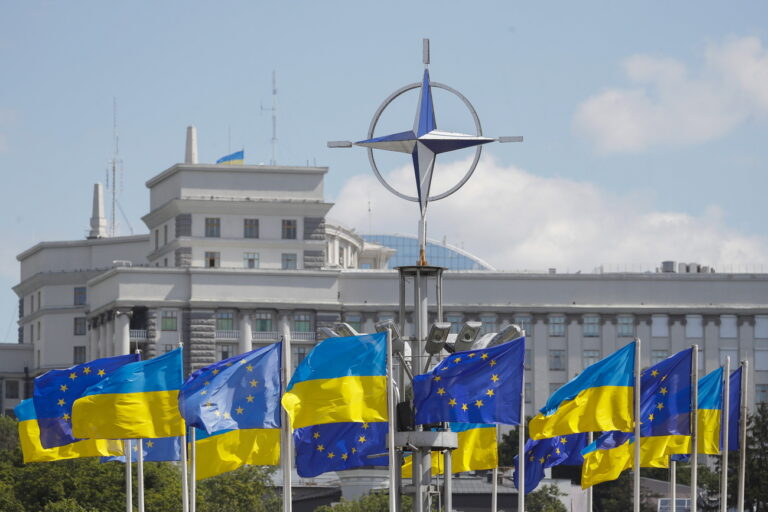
(237,256)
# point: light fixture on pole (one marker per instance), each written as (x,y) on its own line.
(345,330)
(398,344)
(509,333)
(326,332)
(467,336)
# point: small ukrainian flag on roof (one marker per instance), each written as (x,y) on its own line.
(235,158)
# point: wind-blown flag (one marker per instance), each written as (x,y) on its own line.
(235,158)
(477,450)
(154,450)
(478,386)
(734,409)
(56,390)
(138,400)
(709,412)
(549,452)
(598,399)
(340,380)
(242,392)
(340,446)
(227,450)
(33,451)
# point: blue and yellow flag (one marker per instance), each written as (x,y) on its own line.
(546,453)
(606,458)
(154,450)
(477,386)
(709,413)
(227,450)
(56,390)
(598,399)
(734,409)
(477,450)
(340,380)
(138,400)
(33,451)
(236,393)
(236,158)
(340,446)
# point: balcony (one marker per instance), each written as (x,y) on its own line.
(227,335)
(303,336)
(262,336)
(138,335)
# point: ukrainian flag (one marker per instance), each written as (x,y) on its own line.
(236,158)
(477,450)
(598,399)
(33,451)
(710,412)
(340,380)
(138,400)
(227,450)
(606,458)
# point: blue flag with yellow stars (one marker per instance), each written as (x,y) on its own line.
(545,453)
(340,446)
(56,390)
(155,450)
(476,386)
(237,393)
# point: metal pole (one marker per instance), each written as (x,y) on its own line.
(286,442)
(184,469)
(394,490)
(495,487)
(193,470)
(695,429)
(743,434)
(422,460)
(590,438)
(520,460)
(673,485)
(448,471)
(636,393)
(140,474)
(724,436)
(128,476)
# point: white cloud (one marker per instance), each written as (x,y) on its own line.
(516,220)
(668,105)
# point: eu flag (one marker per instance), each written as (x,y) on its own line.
(56,390)
(477,386)
(544,453)
(154,450)
(241,392)
(340,446)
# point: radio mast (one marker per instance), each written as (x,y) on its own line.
(273,161)
(116,170)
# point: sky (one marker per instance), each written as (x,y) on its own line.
(644,123)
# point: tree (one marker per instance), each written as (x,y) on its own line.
(246,489)
(545,499)
(373,502)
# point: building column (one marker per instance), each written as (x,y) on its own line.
(93,348)
(711,343)
(122,333)
(246,332)
(102,337)
(540,363)
(110,335)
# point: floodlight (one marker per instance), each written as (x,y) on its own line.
(327,332)
(484,340)
(397,341)
(345,330)
(509,333)
(467,336)
(438,333)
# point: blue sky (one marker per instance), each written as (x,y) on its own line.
(644,122)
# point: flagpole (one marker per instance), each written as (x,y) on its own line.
(673,485)
(128,476)
(393,488)
(184,472)
(724,421)
(695,429)
(495,483)
(140,474)
(520,458)
(743,434)
(636,393)
(590,439)
(286,442)
(192,471)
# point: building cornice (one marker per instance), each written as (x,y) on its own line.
(81,243)
(253,169)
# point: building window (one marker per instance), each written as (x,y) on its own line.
(456,322)
(528,392)
(528,359)
(168,321)
(251,228)
(157,239)
(658,356)
(31,303)
(694,327)
(554,386)
(590,357)
(262,321)
(11,388)
(355,321)
(39,330)
(289,261)
(489,324)
(79,295)
(659,326)
(31,332)
(728,326)
(298,353)
(524,321)
(591,326)
(761,393)
(39,301)
(225,321)
(78,355)
(79,326)
(165,234)
(168,347)
(625,326)
(557,325)
(250,260)
(732,353)
(212,259)
(212,227)
(761,326)
(302,322)
(226,350)
(761,360)
(289,229)
(557,359)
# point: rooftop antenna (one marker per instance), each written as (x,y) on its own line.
(273,161)
(115,169)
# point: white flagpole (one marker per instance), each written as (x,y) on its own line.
(673,485)
(393,467)
(743,434)
(695,429)
(192,471)
(636,394)
(590,439)
(184,471)
(520,445)
(140,474)
(128,476)
(724,420)
(286,440)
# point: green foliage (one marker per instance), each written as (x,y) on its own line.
(373,502)
(67,505)
(508,445)
(545,499)
(243,490)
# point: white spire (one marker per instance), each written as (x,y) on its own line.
(98,221)
(190,156)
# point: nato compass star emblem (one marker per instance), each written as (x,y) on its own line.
(424,142)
